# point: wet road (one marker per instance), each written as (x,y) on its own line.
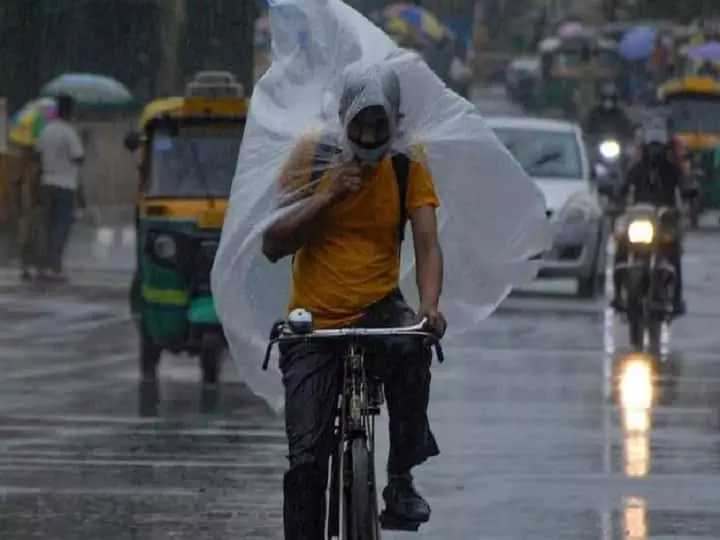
(532,446)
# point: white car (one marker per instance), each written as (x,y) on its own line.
(554,155)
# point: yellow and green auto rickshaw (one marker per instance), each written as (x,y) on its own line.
(188,149)
(693,105)
(561,68)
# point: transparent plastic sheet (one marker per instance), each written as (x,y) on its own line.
(491,218)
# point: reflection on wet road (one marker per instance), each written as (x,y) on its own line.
(548,428)
(531,447)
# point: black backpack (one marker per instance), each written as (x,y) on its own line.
(401,166)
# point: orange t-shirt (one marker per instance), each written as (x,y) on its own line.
(353,261)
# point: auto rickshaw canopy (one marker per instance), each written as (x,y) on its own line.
(209,94)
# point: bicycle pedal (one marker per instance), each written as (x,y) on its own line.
(392,523)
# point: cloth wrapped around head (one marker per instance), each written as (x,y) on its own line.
(339,89)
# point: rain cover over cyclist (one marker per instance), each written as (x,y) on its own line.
(347,136)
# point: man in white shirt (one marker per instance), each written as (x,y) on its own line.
(62,153)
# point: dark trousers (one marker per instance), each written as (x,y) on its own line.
(59,205)
(673,253)
(312,375)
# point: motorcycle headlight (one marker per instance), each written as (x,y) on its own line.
(165,247)
(610,150)
(641,231)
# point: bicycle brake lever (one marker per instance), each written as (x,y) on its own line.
(274,335)
(268,351)
(439,353)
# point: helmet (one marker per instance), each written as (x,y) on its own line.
(655,137)
(609,96)
(655,131)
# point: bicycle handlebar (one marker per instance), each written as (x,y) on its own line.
(282,331)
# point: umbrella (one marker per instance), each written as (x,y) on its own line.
(571,29)
(709,51)
(407,19)
(638,43)
(29,121)
(89,90)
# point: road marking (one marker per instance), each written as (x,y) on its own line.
(48,371)
(86,462)
(609,345)
(6,491)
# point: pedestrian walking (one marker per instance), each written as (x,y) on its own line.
(62,154)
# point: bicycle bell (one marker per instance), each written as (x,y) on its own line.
(301,321)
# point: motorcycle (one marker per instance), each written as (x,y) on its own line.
(647,277)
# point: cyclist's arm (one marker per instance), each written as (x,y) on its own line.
(422,202)
(294,229)
(428,256)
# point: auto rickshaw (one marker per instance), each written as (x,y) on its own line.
(560,68)
(693,105)
(188,148)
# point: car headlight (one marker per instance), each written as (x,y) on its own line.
(572,215)
(610,150)
(641,231)
(165,247)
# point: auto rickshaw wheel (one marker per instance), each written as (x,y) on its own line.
(150,354)
(211,359)
(135,297)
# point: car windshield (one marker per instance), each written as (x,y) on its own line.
(543,154)
(198,161)
(695,115)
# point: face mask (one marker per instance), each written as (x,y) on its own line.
(369,155)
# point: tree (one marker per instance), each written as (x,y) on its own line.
(220,36)
(684,11)
(20,42)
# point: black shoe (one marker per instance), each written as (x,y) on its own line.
(404,507)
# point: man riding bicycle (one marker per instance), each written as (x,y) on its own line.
(345,238)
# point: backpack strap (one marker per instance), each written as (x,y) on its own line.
(401,166)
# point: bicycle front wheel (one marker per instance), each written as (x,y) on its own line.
(363,500)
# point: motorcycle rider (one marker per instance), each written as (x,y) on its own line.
(345,246)
(608,118)
(656,178)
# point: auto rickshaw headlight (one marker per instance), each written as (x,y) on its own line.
(165,247)
(641,231)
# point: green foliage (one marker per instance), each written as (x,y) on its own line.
(684,11)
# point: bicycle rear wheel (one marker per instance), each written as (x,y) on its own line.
(363,500)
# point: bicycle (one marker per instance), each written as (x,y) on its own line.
(352,489)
